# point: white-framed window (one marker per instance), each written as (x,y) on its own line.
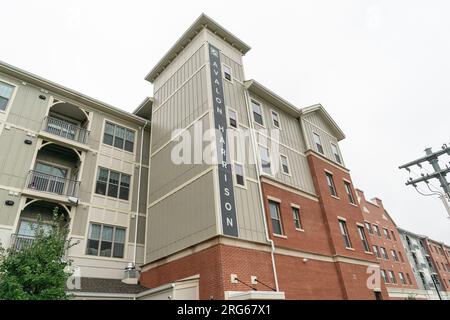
(362,235)
(383,274)
(402,277)
(274,208)
(336,153)
(285,164)
(344,233)
(113,184)
(376,230)
(232,118)
(264,155)
(318,143)
(369,227)
(296,216)
(119,137)
(6,92)
(394,255)
(227,72)
(105,241)
(257,112)
(386,233)
(348,190)
(376,251)
(330,183)
(275,118)
(392,277)
(239,174)
(384,253)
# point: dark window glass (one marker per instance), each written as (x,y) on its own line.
(119,243)
(274,208)
(119,137)
(93,239)
(124,187)
(102,181)
(362,235)
(108,136)
(113,186)
(330,183)
(129,142)
(344,232)
(239,174)
(106,243)
(348,189)
(296,214)
(257,112)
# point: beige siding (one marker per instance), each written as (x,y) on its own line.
(180,110)
(141,230)
(182,219)
(15,157)
(8,214)
(314,123)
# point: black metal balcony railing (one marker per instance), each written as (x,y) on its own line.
(65,129)
(19,241)
(52,184)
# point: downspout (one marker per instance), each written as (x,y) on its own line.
(261,198)
(138,195)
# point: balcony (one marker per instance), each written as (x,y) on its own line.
(48,183)
(19,241)
(65,129)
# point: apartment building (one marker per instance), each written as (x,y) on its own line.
(424,265)
(275,217)
(286,224)
(440,262)
(60,148)
(387,246)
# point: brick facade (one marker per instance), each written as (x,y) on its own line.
(440,260)
(375,214)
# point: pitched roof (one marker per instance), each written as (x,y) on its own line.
(202,22)
(339,134)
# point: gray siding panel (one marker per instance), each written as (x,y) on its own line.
(182,219)
(8,214)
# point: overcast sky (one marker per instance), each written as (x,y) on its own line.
(381,69)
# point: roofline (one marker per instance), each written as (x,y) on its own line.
(65,92)
(255,86)
(319,106)
(147,101)
(203,21)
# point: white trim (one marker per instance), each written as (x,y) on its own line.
(279,235)
(273,199)
(236,184)
(288,165)
(262,112)
(114,135)
(272,111)
(270,160)
(231,72)
(228,109)
(10,100)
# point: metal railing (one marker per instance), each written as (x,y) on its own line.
(65,129)
(20,241)
(52,184)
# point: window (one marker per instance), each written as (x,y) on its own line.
(118,137)
(393,235)
(402,278)
(275,119)
(400,255)
(232,117)
(376,251)
(337,157)
(239,172)
(392,276)
(348,189)
(284,164)
(113,184)
(394,255)
(296,215)
(362,235)
(386,233)
(318,143)
(257,113)
(383,274)
(409,278)
(344,233)
(384,253)
(6,92)
(105,241)
(377,230)
(330,183)
(368,227)
(227,72)
(430,264)
(274,208)
(265,160)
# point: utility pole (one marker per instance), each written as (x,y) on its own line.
(440,174)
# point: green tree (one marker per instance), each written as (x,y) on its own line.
(38,270)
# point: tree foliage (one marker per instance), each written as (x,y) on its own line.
(38,270)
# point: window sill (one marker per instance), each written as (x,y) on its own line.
(300,230)
(368,252)
(240,186)
(279,236)
(335,197)
(354,204)
(351,249)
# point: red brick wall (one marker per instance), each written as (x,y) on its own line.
(377,215)
(438,259)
